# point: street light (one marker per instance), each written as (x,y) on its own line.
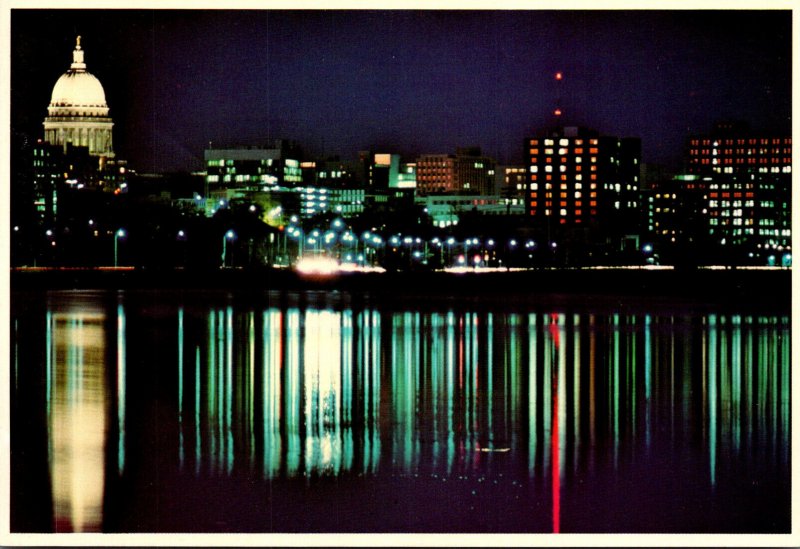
(230,235)
(117,235)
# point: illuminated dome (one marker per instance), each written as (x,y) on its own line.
(78,113)
(80,90)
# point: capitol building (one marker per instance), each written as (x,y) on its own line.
(78,112)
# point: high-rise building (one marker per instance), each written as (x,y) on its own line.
(78,113)
(743,184)
(468,171)
(579,179)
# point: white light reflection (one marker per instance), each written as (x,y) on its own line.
(78,420)
(322,384)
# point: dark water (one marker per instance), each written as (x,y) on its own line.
(163,412)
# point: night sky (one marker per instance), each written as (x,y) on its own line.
(405,81)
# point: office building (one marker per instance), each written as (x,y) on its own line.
(467,171)
(578,179)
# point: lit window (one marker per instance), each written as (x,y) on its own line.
(577,194)
(563,211)
(563,168)
(548,169)
(548,142)
(548,151)
(563,142)
(534,169)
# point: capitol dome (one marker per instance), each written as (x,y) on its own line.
(78,112)
(81,90)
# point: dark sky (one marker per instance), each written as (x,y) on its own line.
(405,81)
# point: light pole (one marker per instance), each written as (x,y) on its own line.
(117,235)
(450,242)
(230,235)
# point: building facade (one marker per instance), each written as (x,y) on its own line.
(578,179)
(250,169)
(742,191)
(468,171)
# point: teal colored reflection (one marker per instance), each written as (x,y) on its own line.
(532,391)
(307,392)
(712,397)
(271,392)
(121,388)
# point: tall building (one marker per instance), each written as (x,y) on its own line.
(78,113)
(250,169)
(743,190)
(578,179)
(468,171)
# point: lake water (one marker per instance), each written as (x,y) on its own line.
(157,411)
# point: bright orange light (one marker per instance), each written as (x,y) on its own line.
(559,76)
(557,112)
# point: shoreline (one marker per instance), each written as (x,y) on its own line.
(735,287)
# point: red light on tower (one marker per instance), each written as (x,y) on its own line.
(557,112)
(559,75)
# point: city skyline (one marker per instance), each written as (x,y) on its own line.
(412,82)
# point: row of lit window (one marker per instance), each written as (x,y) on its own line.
(563,168)
(741,141)
(563,177)
(734,204)
(563,204)
(563,142)
(563,186)
(730,195)
(562,212)
(577,195)
(775,151)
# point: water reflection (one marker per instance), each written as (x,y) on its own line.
(77,417)
(321,391)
